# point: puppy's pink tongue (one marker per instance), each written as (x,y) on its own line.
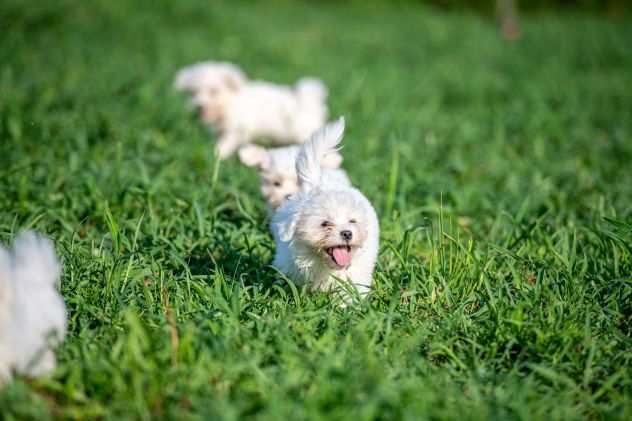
(342,256)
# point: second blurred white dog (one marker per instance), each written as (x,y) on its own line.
(277,171)
(32,312)
(243,111)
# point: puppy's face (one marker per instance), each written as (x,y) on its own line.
(277,172)
(211,98)
(276,188)
(334,226)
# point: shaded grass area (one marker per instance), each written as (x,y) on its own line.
(500,172)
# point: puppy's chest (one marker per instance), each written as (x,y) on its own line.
(317,276)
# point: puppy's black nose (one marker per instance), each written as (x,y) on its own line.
(346,235)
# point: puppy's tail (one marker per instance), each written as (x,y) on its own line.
(308,162)
(309,89)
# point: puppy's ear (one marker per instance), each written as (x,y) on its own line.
(285,219)
(254,156)
(332,160)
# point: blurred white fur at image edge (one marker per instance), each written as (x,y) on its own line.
(277,171)
(325,233)
(243,111)
(32,312)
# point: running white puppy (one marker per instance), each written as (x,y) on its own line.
(242,111)
(325,233)
(32,312)
(277,171)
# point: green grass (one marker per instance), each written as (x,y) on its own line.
(500,171)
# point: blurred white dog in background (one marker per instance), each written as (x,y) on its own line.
(277,171)
(325,233)
(243,111)
(32,312)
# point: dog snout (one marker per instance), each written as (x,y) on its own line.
(346,235)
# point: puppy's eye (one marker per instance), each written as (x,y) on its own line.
(277,184)
(326,224)
(352,221)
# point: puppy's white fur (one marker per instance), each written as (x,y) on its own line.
(277,171)
(32,312)
(325,233)
(243,111)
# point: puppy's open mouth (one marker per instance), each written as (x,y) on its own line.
(341,255)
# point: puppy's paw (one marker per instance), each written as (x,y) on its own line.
(225,149)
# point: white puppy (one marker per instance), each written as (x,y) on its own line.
(32,312)
(277,171)
(242,111)
(325,233)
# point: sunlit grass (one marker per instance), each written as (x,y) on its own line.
(500,172)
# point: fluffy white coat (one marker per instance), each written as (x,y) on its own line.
(325,233)
(243,111)
(32,312)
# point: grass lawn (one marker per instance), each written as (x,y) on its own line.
(501,173)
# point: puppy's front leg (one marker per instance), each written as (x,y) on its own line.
(227,144)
